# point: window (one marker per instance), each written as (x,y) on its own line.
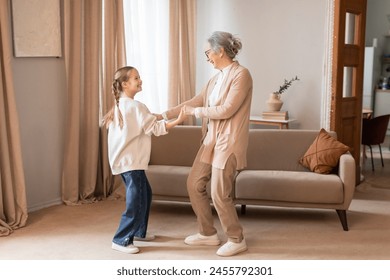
(147,37)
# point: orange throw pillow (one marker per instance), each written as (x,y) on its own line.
(324,154)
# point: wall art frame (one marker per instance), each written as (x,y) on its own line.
(36,28)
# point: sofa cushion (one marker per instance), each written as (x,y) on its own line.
(167,180)
(289,186)
(278,149)
(177,148)
(323,154)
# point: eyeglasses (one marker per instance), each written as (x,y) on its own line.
(207,53)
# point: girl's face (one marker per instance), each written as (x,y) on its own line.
(133,84)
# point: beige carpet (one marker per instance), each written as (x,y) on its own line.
(84,232)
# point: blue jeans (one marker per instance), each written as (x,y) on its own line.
(134,220)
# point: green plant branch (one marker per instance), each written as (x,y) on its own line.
(286,85)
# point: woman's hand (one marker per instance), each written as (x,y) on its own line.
(188,110)
(182,116)
(158,116)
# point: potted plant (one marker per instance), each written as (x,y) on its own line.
(274,102)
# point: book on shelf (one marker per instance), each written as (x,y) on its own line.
(275,115)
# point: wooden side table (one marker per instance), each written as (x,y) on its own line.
(279,123)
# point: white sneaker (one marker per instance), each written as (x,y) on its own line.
(129,249)
(199,239)
(231,248)
(148,237)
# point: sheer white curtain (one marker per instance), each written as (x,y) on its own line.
(147,35)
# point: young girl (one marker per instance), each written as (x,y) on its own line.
(130,126)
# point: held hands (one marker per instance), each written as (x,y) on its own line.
(188,110)
(182,116)
(158,116)
(184,112)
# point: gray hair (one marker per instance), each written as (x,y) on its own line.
(227,41)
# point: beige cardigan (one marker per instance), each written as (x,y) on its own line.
(225,126)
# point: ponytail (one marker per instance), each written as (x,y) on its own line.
(121,75)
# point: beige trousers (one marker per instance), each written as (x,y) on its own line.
(222,181)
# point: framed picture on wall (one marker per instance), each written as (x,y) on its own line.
(36,28)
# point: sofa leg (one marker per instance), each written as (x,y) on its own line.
(343,218)
(243,209)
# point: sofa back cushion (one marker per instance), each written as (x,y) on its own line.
(178,147)
(279,149)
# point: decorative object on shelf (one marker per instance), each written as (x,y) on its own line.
(274,102)
(275,115)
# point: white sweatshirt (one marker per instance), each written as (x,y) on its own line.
(129,148)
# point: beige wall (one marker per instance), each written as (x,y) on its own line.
(41,100)
(40,91)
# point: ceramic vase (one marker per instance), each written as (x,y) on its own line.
(274,102)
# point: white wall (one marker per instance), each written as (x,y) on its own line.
(280,39)
(377,25)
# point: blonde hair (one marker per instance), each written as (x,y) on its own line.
(121,75)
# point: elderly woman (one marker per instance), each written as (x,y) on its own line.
(224,106)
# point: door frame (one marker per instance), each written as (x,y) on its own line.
(344,116)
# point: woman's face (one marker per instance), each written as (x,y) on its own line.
(133,84)
(212,56)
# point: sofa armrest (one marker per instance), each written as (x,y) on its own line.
(347,174)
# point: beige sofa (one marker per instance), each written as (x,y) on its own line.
(273,176)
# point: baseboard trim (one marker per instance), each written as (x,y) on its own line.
(43,205)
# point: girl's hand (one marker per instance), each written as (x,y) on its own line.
(182,116)
(158,116)
(188,110)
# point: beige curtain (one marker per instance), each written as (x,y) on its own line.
(13,205)
(182,52)
(93,50)
(113,58)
